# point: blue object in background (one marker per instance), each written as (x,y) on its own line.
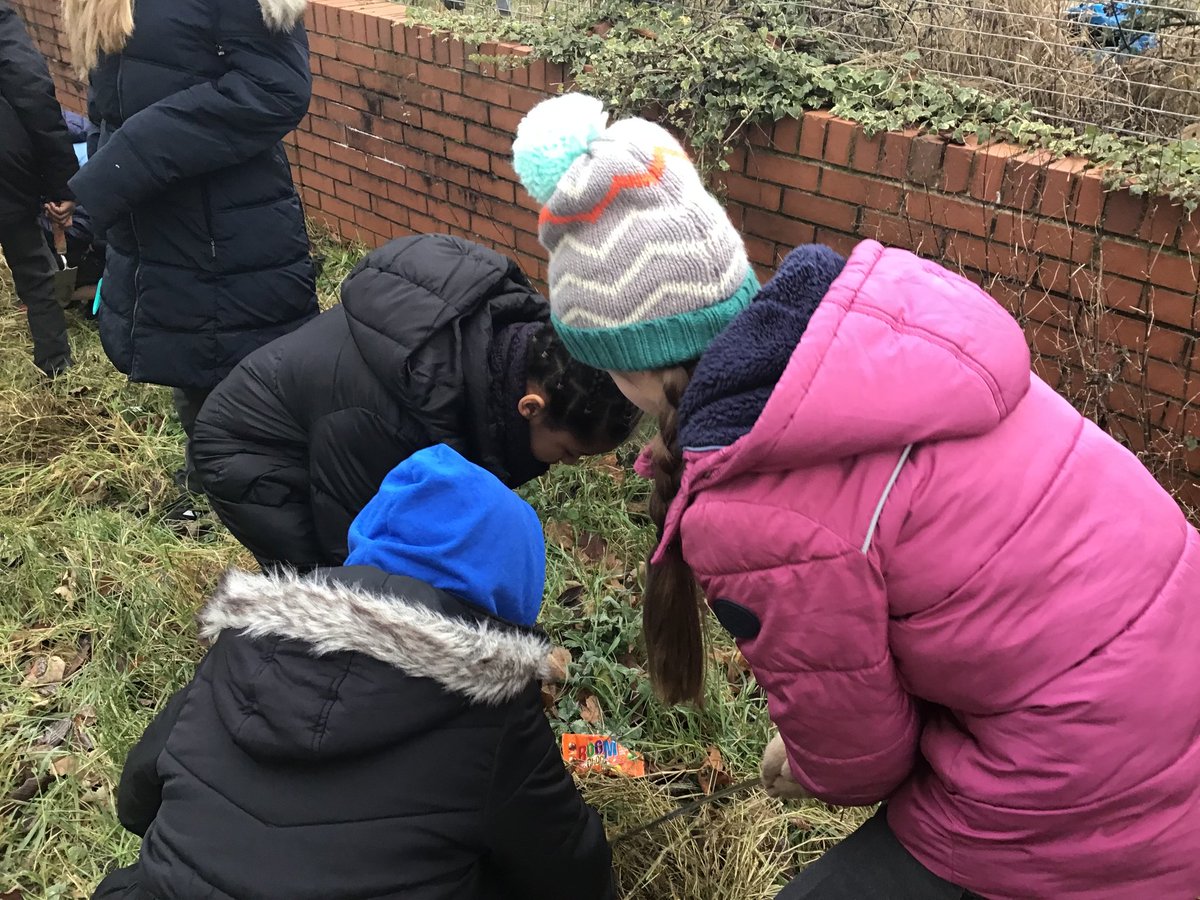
(1114,26)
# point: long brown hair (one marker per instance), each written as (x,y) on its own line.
(95,27)
(672,619)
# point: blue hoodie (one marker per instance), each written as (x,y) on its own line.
(445,521)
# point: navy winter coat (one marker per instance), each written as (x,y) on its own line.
(36,158)
(208,258)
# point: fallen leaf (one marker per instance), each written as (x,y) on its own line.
(90,490)
(559,664)
(550,697)
(570,596)
(560,533)
(100,794)
(30,787)
(735,664)
(107,586)
(81,657)
(56,733)
(592,546)
(66,587)
(63,766)
(590,712)
(86,716)
(85,742)
(45,670)
(712,774)
(612,467)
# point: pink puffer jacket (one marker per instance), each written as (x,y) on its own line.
(961,596)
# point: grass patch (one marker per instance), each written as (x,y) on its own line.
(93,579)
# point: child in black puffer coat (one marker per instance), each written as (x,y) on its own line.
(436,340)
(374,730)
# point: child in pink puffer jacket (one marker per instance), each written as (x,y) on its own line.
(962,598)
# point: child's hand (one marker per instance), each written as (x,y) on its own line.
(61,213)
(777,773)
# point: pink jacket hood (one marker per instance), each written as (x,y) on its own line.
(965,365)
(964,359)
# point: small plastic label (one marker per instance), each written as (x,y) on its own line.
(600,753)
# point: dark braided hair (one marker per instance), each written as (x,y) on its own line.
(580,399)
(672,621)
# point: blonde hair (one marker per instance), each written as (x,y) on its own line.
(95,27)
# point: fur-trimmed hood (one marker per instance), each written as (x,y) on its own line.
(350,660)
(484,661)
(282,15)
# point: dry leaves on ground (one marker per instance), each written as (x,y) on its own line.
(712,775)
(590,712)
(45,671)
(558,664)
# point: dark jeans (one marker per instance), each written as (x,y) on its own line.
(187,406)
(33,271)
(871,865)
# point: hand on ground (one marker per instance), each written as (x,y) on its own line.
(777,773)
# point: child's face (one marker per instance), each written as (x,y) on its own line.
(558,445)
(552,445)
(643,389)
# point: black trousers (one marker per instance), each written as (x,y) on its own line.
(187,406)
(33,269)
(871,865)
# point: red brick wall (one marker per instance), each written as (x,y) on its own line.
(406,134)
(43,18)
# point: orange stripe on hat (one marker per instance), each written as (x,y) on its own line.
(651,176)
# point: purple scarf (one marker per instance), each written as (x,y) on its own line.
(507,368)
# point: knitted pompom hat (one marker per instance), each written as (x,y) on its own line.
(645,266)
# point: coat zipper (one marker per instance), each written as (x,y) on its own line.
(206,201)
(133,226)
(208,217)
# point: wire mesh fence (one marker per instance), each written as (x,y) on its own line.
(1112,67)
(1126,68)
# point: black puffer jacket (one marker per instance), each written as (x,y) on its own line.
(412,761)
(36,156)
(208,257)
(293,444)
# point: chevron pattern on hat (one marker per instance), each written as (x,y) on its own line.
(634,238)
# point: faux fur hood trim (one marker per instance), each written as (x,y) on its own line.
(282,15)
(482,662)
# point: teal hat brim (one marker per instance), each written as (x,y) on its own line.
(656,343)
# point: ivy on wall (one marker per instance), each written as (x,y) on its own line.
(715,72)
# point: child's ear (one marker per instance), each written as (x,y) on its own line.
(531,406)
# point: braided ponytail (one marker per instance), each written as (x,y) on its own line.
(671,616)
